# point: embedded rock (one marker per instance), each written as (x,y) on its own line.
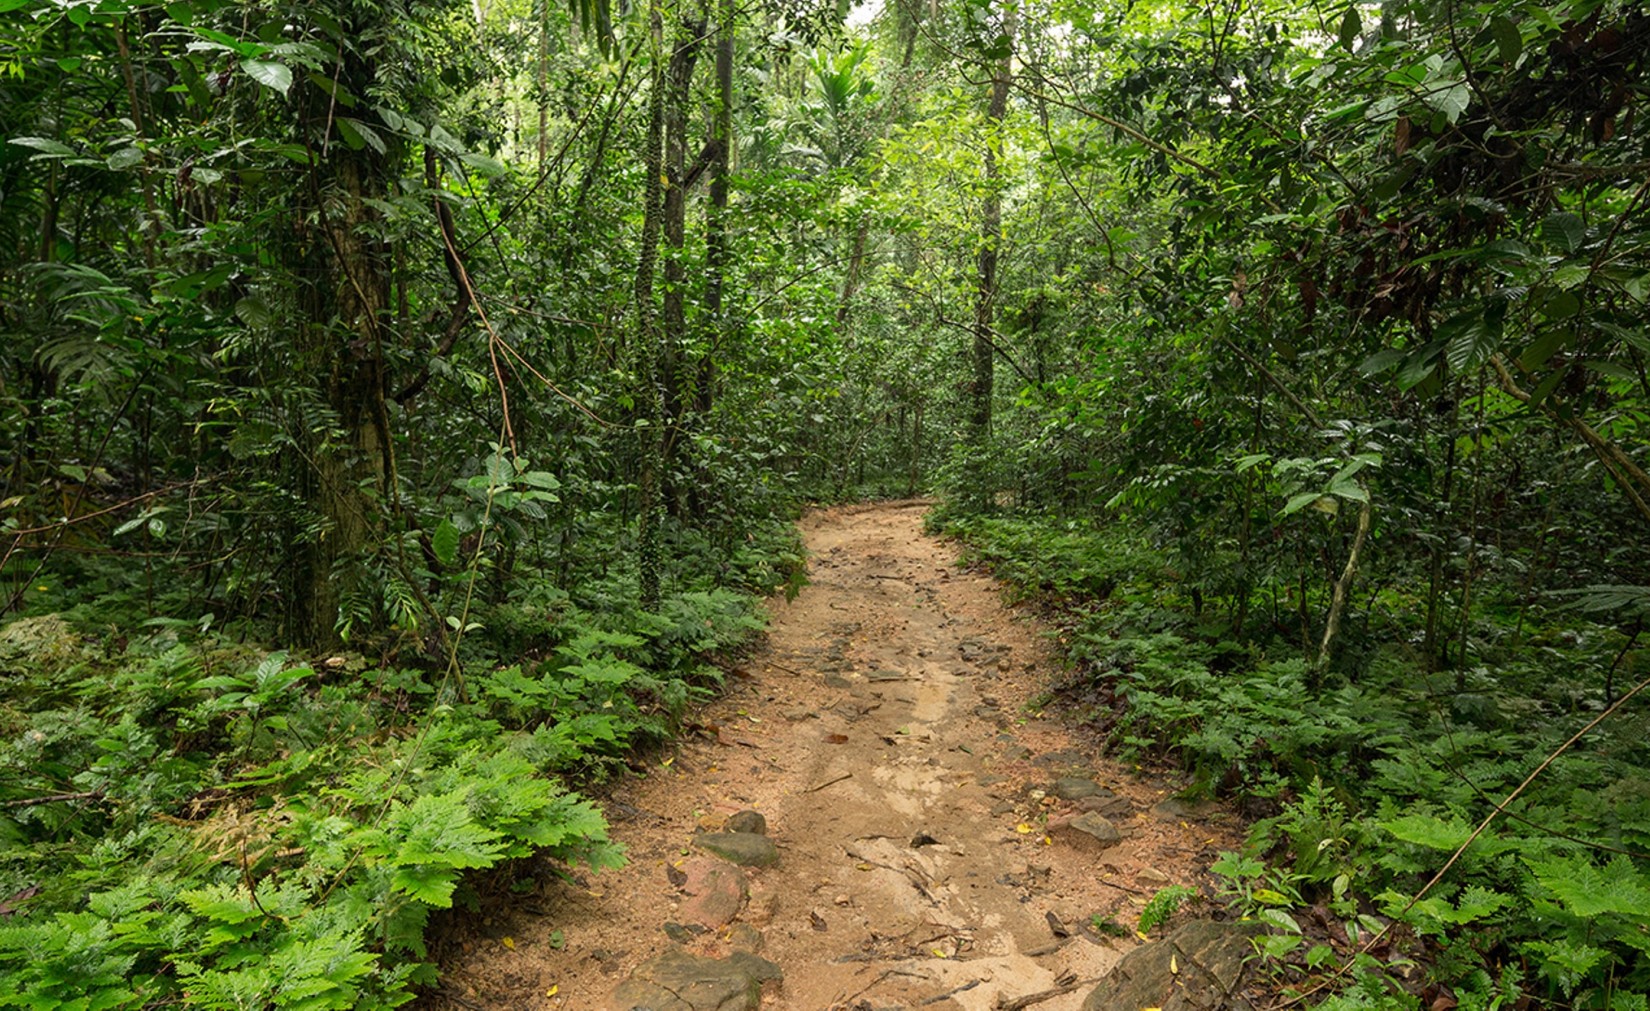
(678,981)
(747,849)
(1199,967)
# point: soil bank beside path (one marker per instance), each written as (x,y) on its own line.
(935,837)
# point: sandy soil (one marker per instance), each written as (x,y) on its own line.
(889,731)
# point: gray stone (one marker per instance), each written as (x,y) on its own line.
(1199,967)
(1076,788)
(1112,806)
(747,849)
(679,933)
(1092,832)
(678,981)
(1175,809)
(744,937)
(748,821)
(1065,758)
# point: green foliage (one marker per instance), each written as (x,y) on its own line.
(1372,787)
(1163,905)
(239,830)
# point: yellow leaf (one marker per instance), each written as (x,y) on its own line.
(1174,964)
(509,942)
(666,762)
(1023,828)
(940,954)
(552,991)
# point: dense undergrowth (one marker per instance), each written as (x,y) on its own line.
(1365,786)
(189,820)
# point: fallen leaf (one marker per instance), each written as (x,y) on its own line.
(836,738)
(552,991)
(1023,828)
(509,942)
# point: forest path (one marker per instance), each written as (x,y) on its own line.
(918,801)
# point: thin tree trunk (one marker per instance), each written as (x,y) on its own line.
(647,353)
(1435,573)
(986,275)
(673,334)
(544,82)
(716,220)
(850,284)
(991,228)
(1337,597)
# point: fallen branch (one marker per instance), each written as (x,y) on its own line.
(1005,1004)
(829,782)
(54,798)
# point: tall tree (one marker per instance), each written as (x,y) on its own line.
(982,387)
(673,335)
(648,353)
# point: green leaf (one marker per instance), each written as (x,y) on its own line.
(1507,39)
(444,542)
(1280,919)
(1351,27)
(489,167)
(1429,831)
(253,312)
(1589,891)
(1473,346)
(433,886)
(124,158)
(272,75)
(1544,347)
(1380,361)
(1301,501)
(358,135)
(45,145)
(1451,99)
(1564,230)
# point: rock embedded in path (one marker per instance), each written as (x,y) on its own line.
(748,821)
(1090,832)
(747,849)
(1175,809)
(678,981)
(1077,787)
(1199,967)
(715,891)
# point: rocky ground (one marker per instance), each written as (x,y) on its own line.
(877,815)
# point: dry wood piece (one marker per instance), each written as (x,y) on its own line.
(1016,1003)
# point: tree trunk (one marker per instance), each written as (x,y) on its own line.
(650,410)
(673,336)
(343,276)
(991,231)
(716,220)
(345,292)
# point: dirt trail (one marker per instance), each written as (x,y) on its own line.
(924,860)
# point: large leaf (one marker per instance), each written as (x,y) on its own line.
(270,74)
(1429,831)
(1564,230)
(444,542)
